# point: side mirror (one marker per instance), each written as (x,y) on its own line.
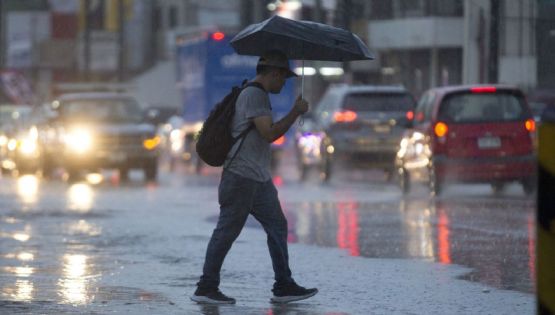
(151,116)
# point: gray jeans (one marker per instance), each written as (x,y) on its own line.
(238,197)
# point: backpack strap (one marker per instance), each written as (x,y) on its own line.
(244,133)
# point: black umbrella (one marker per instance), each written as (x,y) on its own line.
(301,40)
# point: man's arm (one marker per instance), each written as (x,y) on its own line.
(272,131)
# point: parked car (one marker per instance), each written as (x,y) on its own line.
(362,124)
(99,130)
(477,133)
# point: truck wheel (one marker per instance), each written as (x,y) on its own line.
(151,170)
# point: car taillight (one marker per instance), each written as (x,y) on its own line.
(345,116)
(530,125)
(410,115)
(280,140)
(218,36)
(440,129)
(483,89)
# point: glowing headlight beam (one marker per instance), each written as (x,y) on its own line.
(79,140)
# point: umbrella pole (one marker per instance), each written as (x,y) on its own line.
(302,79)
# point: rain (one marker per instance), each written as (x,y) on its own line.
(418,182)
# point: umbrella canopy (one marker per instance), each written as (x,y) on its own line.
(300,40)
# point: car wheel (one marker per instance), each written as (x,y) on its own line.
(199,165)
(73,174)
(404,181)
(326,169)
(26,170)
(151,170)
(529,186)
(123,173)
(434,183)
(303,170)
(47,168)
(497,187)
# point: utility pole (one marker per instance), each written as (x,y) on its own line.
(318,16)
(493,60)
(2,34)
(345,22)
(121,42)
(87,40)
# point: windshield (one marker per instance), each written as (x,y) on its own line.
(106,110)
(12,116)
(378,102)
(483,107)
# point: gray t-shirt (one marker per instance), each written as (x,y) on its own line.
(253,159)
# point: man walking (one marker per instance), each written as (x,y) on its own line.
(246,185)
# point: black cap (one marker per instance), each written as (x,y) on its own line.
(275,58)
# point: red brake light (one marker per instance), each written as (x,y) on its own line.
(483,89)
(530,125)
(440,129)
(420,116)
(410,115)
(346,116)
(218,36)
(280,140)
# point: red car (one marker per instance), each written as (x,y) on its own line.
(477,133)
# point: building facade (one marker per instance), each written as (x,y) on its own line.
(423,44)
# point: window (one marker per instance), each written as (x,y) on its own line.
(482,107)
(102,110)
(378,102)
(423,111)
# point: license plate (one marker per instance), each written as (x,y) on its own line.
(117,156)
(489,142)
(366,141)
(382,129)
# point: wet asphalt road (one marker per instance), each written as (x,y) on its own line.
(58,238)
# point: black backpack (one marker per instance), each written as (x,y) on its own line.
(215,140)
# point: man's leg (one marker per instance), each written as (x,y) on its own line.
(235,197)
(267,210)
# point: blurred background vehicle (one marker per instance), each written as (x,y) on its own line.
(472,133)
(207,67)
(539,101)
(99,130)
(361,125)
(18,140)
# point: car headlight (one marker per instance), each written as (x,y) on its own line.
(28,146)
(3,140)
(151,143)
(79,140)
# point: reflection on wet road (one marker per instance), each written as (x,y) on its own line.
(59,247)
(493,236)
(48,257)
